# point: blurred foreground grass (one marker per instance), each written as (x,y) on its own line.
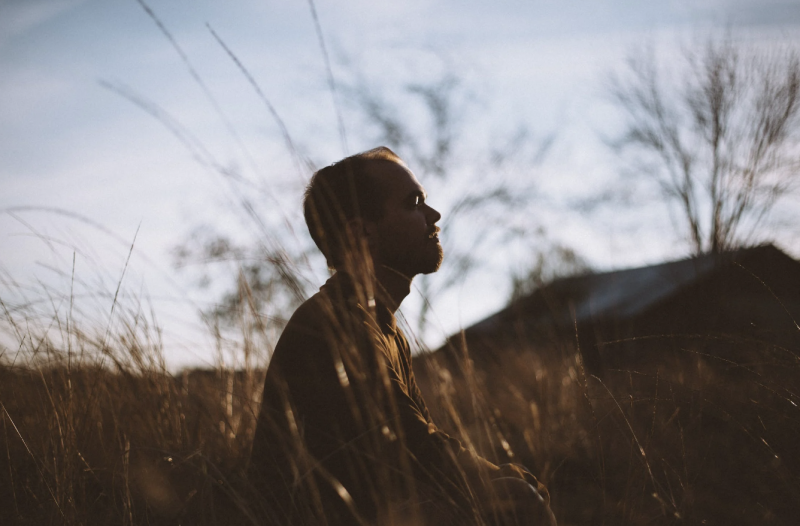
(706,430)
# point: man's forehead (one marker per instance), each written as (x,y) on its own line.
(395,178)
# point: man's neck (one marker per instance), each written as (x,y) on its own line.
(392,287)
(380,283)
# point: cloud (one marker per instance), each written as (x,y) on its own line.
(17,17)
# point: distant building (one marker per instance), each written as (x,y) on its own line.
(697,305)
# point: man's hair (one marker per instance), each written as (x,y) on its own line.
(340,192)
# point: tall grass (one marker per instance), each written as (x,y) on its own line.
(701,431)
(97,430)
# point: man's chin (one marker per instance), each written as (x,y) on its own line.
(431,270)
(428,265)
(427,261)
(435,262)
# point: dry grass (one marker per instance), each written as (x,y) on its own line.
(703,431)
(706,434)
(96,430)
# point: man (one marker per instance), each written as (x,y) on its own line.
(344,436)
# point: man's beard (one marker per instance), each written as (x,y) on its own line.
(427,260)
(436,260)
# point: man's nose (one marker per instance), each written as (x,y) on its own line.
(432,216)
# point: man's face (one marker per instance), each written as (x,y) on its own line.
(407,239)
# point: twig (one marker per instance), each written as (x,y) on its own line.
(331,82)
(196,77)
(287,139)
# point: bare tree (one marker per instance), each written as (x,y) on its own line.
(550,261)
(718,137)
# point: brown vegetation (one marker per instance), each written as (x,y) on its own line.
(704,434)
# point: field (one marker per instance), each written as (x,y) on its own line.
(679,426)
(96,430)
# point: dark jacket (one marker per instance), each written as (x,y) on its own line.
(344,435)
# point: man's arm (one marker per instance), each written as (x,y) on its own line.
(443,457)
(473,465)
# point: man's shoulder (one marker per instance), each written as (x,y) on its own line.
(310,318)
(309,310)
(323,321)
(316,317)
(301,340)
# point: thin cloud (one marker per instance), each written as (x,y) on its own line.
(17,17)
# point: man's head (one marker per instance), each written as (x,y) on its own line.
(372,198)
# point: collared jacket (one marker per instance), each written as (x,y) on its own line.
(344,435)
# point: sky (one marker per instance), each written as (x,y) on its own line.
(86,173)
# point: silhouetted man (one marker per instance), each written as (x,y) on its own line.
(344,436)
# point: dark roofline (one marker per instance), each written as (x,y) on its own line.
(623,293)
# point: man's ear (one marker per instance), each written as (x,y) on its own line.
(361,229)
(370,229)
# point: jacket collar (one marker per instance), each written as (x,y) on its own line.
(343,287)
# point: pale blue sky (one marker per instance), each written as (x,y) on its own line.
(69,143)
